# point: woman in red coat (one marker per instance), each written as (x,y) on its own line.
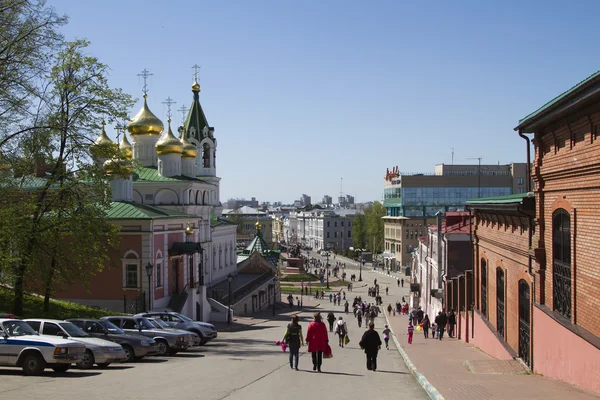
(317,339)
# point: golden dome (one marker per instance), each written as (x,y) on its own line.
(189,231)
(189,150)
(145,123)
(195,87)
(169,144)
(258,226)
(103,139)
(126,147)
(117,167)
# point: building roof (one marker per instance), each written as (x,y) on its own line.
(120,210)
(244,210)
(552,104)
(510,199)
(258,245)
(151,175)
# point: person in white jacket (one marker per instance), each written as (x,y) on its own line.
(342,330)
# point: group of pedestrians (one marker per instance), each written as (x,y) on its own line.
(438,327)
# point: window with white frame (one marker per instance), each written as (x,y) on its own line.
(131,266)
(159,280)
(131,276)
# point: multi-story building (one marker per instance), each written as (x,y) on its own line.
(305,200)
(537,279)
(327,200)
(413,200)
(237,203)
(245,218)
(322,229)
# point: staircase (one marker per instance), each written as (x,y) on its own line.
(177,301)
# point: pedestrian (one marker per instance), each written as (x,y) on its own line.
(433,330)
(442,324)
(389,309)
(398,282)
(387,289)
(411,329)
(317,340)
(359,315)
(402,282)
(330,297)
(298,302)
(426,325)
(371,344)
(341,330)
(451,323)
(334,300)
(294,339)
(386,336)
(346,306)
(372,316)
(331,320)
(419,316)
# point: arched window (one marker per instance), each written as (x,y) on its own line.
(561,262)
(500,301)
(483,287)
(206,155)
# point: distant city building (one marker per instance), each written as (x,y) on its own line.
(246,218)
(349,200)
(237,203)
(327,200)
(321,228)
(305,200)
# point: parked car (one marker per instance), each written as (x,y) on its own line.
(168,343)
(205,330)
(97,351)
(324,254)
(21,346)
(135,346)
(191,336)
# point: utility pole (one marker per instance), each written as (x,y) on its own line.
(478,175)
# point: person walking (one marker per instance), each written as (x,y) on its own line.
(294,339)
(389,309)
(371,344)
(411,330)
(342,330)
(330,297)
(372,316)
(398,282)
(420,314)
(451,323)
(317,340)
(331,320)
(426,326)
(346,306)
(359,315)
(402,281)
(386,336)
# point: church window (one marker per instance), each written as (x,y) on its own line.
(131,276)
(158,275)
(206,155)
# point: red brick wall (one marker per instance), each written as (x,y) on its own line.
(567,175)
(503,242)
(159,240)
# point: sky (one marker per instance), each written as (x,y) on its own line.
(305,93)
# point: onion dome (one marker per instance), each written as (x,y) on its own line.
(188,230)
(195,87)
(169,144)
(117,167)
(125,147)
(103,139)
(258,226)
(189,150)
(145,123)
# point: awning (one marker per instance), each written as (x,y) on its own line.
(179,248)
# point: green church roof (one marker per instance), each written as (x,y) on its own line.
(120,210)
(151,175)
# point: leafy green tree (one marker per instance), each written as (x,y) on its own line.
(66,235)
(359,231)
(375,227)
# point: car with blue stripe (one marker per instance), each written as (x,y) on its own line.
(21,346)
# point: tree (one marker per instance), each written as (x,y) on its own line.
(66,233)
(374,227)
(359,231)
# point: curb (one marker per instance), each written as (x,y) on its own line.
(431,391)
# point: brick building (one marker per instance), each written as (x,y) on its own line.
(537,281)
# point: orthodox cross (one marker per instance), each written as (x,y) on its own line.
(119,128)
(145,74)
(169,101)
(183,110)
(196,67)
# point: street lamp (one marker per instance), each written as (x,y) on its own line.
(327,267)
(274,293)
(301,292)
(362,263)
(149,269)
(229,278)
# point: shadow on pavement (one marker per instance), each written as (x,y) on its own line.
(51,374)
(393,372)
(189,355)
(151,360)
(114,367)
(337,373)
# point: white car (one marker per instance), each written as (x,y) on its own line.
(21,346)
(324,254)
(97,351)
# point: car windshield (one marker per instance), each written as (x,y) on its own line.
(183,317)
(17,328)
(161,323)
(73,330)
(155,324)
(144,323)
(112,328)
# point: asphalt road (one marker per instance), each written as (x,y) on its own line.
(238,365)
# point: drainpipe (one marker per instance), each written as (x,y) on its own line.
(527,182)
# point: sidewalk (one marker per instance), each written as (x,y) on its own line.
(447,365)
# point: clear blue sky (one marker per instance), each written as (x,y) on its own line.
(302,93)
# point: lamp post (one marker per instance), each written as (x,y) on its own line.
(149,269)
(327,270)
(362,263)
(229,279)
(301,292)
(274,293)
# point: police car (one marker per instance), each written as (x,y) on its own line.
(21,346)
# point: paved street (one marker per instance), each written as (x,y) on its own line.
(238,365)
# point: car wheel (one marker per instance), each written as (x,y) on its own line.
(33,364)
(103,365)
(172,352)
(88,360)
(129,353)
(162,347)
(61,368)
